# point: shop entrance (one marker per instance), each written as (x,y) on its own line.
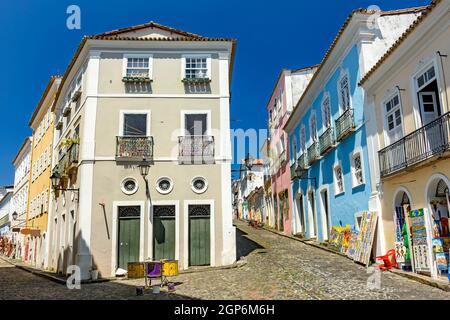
(439,207)
(402,234)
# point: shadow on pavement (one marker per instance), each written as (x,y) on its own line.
(245,246)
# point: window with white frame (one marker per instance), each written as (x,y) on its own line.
(393,116)
(344,92)
(49,155)
(135,124)
(338,179)
(357,169)
(313,126)
(426,77)
(326,113)
(137,66)
(303,138)
(196,67)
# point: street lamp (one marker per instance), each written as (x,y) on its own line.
(144,169)
(15,215)
(55,178)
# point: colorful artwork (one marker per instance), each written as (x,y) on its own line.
(438,245)
(421,259)
(365,237)
(352,244)
(400,252)
(442,260)
(339,238)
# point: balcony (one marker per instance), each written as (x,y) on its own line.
(293,171)
(431,140)
(134,148)
(196,149)
(69,160)
(313,153)
(301,165)
(344,124)
(326,141)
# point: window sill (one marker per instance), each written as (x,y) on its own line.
(358,185)
(136,79)
(339,194)
(195,80)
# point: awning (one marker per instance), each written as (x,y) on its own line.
(31,232)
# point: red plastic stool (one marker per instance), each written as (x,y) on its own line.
(388,259)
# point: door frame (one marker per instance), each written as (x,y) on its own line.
(429,61)
(115,230)
(212,235)
(325,219)
(175,203)
(312,214)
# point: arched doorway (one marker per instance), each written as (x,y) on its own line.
(438,198)
(402,244)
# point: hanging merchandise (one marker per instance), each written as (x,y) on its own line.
(419,240)
(400,252)
(442,260)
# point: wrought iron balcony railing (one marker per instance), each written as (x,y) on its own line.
(196,149)
(134,148)
(326,141)
(424,143)
(69,159)
(344,124)
(301,166)
(313,153)
(293,170)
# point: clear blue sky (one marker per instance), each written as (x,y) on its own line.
(271,35)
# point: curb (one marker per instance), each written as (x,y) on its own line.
(418,278)
(49,276)
(422,279)
(305,242)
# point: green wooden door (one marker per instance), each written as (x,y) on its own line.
(199,235)
(129,235)
(163,232)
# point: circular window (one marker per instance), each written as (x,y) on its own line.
(199,185)
(164,185)
(129,186)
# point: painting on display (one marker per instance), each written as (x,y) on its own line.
(442,260)
(339,238)
(365,237)
(400,252)
(419,240)
(352,244)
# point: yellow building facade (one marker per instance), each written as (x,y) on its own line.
(409,90)
(42,125)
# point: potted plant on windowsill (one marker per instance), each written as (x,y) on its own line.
(196,80)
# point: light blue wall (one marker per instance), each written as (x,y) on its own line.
(344,206)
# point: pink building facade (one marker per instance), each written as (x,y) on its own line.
(288,90)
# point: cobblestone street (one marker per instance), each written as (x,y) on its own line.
(276,268)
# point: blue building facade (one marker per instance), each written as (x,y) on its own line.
(331,179)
